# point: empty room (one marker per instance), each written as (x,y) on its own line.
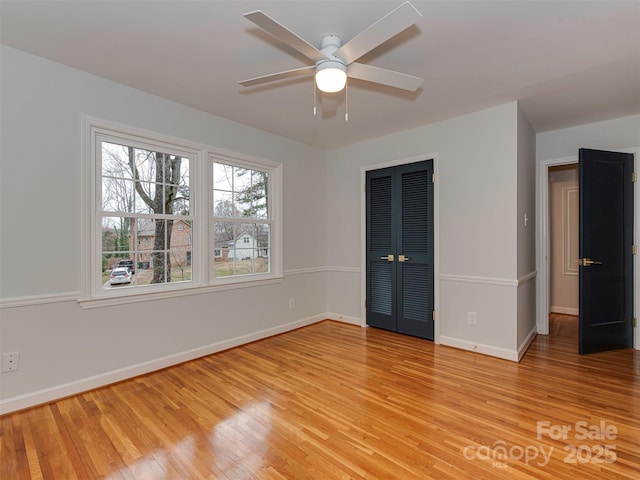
(314,239)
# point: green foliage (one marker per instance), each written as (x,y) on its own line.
(254,197)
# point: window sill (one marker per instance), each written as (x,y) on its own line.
(145,296)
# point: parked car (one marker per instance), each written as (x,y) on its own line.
(120,275)
(130,264)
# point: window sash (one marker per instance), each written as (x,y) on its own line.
(161,261)
(244,258)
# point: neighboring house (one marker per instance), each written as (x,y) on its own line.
(243,247)
(180,242)
(221,251)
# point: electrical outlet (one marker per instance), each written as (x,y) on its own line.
(292,303)
(10,361)
(471,318)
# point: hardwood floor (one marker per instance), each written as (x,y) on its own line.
(335,401)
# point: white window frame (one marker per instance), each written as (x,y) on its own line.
(201,207)
(274,208)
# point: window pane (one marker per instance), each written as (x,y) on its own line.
(239,192)
(241,249)
(115,161)
(118,270)
(116,234)
(181,204)
(142,204)
(223,204)
(176,183)
(159,267)
(180,265)
(147,168)
(241,179)
(222,177)
(251,193)
(180,251)
(263,236)
(117,195)
(259,194)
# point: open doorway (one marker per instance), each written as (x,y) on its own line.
(543,250)
(563,236)
(543,247)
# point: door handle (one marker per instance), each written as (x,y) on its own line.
(402,258)
(388,258)
(587,262)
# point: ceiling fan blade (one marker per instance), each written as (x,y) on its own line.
(384,76)
(297,72)
(285,35)
(388,26)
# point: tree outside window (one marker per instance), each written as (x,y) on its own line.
(241,219)
(144,192)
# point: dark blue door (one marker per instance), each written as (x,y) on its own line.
(606,259)
(400,249)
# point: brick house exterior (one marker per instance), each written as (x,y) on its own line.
(221,251)
(180,253)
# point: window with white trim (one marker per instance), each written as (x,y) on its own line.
(161,224)
(144,212)
(242,218)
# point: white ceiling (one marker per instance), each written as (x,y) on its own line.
(568,62)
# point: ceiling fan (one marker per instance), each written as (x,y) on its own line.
(335,62)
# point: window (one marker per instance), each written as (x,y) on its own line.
(145,193)
(150,201)
(242,219)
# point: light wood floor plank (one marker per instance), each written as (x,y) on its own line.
(335,401)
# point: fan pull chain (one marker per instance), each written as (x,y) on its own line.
(346,102)
(315,98)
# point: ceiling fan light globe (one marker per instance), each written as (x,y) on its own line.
(331,76)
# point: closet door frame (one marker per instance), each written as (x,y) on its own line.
(436,234)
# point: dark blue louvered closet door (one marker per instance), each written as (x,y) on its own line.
(400,249)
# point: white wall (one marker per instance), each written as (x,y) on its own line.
(614,134)
(525,221)
(478,209)
(65,348)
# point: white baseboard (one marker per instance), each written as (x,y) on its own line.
(480,348)
(522,349)
(564,310)
(345,319)
(46,395)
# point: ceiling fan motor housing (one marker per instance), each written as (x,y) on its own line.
(330,41)
(328,45)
